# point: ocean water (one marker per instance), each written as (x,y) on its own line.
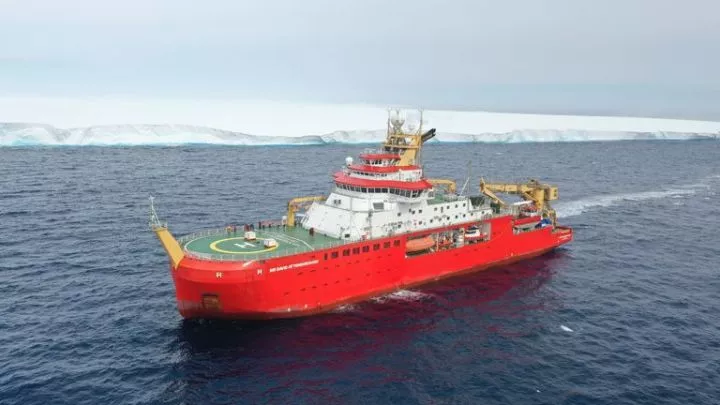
(626,314)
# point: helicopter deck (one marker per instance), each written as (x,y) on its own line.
(222,244)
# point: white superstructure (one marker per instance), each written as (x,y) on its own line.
(389,194)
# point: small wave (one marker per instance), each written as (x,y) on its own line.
(402,295)
(343,309)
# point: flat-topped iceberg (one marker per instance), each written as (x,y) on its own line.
(93,122)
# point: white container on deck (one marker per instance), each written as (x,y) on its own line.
(269,242)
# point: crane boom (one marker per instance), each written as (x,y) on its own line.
(296,203)
(449,185)
(539,193)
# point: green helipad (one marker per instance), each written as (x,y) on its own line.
(290,240)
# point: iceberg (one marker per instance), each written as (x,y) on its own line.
(95,122)
(14,134)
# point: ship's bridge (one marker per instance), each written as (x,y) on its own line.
(379,158)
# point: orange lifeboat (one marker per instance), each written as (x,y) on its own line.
(416,245)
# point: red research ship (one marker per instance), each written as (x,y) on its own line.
(384,227)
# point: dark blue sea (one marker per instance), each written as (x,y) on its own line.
(629,313)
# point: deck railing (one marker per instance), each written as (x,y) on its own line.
(272,254)
(250,256)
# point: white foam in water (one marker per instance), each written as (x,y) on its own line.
(565,328)
(402,295)
(344,309)
(577,207)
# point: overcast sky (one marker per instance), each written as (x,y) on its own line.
(630,57)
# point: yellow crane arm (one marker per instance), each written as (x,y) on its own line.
(296,203)
(449,185)
(540,194)
(485,189)
(170,244)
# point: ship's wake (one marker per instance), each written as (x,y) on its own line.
(573,208)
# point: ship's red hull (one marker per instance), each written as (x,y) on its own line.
(317,281)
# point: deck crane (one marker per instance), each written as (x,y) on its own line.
(449,185)
(540,194)
(300,203)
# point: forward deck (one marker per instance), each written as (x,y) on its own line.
(220,244)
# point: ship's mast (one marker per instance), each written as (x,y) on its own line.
(405,137)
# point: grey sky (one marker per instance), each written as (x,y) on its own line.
(634,57)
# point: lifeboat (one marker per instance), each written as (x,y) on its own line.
(416,245)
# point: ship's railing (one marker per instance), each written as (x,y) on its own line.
(199,234)
(280,252)
(249,256)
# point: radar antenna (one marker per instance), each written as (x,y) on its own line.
(396,121)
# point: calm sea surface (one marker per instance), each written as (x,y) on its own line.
(629,313)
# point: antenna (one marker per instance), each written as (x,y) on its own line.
(396,121)
(154,220)
(467,180)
